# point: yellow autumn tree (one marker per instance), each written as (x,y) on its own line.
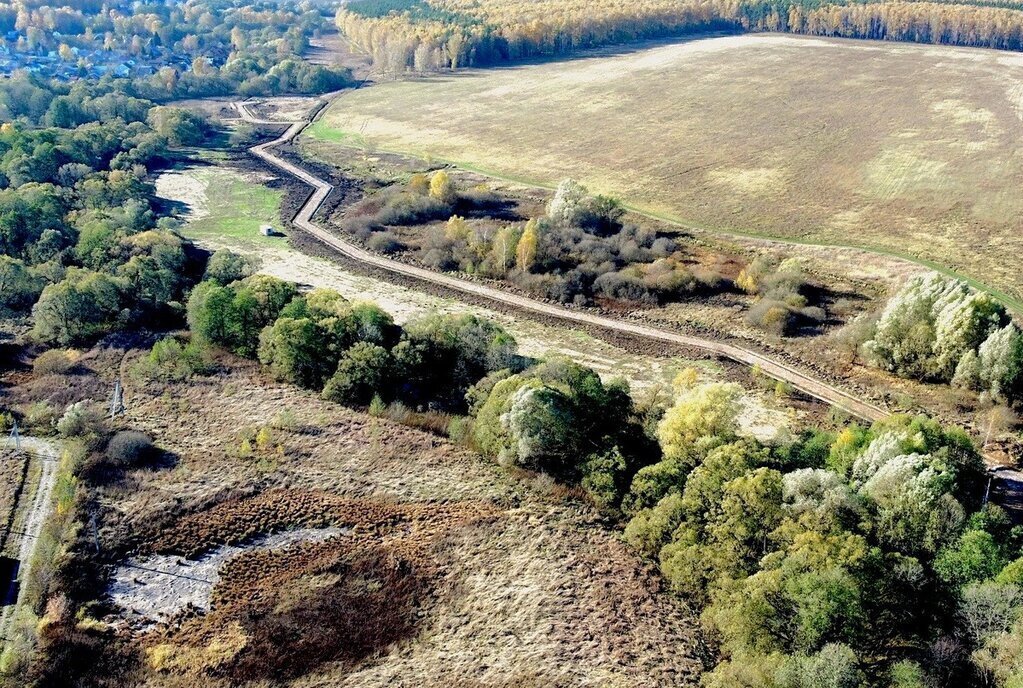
(419,183)
(525,252)
(706,413)
(441,187)
(685,380)
(457,229)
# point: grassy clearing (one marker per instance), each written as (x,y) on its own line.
(910,151)
(223,203)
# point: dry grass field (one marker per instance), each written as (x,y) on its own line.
(449,570)
(904,149)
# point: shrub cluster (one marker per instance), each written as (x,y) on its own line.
(937,328)
(783,295)
(579,251)
(353,352)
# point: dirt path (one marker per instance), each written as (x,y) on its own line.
(46,454)
(776,369)
(303,219)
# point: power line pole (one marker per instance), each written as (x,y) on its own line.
(15,437)
(95,531)
(117,400)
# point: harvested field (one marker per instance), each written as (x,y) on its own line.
(903,149)
(448,570)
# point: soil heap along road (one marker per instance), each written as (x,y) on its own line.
(304,220)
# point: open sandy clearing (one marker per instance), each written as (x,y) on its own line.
(903,148)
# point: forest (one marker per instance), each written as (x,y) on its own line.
(82,247)
(426,36)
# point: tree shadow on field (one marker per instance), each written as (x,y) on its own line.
(102,471)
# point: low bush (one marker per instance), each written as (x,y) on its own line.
(52,362)
(225,267)
(169,360)
(385,242)
(41,418)
(130,448)
(82,419)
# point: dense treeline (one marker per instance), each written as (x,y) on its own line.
(352,352)
(938,329)
(443,34)
(864,558)
(80,244)
(164,51)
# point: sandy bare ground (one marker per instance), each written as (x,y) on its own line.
(156,588)
(187,188)
(38,504)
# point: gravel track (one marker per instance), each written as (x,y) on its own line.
(805,383)
(46,454)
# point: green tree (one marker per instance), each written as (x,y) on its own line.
(19,288)
(291,348)
(363,372)
(82,306)
(974,557)
(225,267)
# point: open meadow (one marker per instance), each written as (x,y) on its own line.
(904,149)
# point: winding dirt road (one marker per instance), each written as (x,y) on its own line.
(321,189)
(38,510)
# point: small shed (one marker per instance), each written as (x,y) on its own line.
(267,230)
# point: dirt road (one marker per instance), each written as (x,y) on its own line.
(34,510)
(303,220)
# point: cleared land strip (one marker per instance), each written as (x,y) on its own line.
(45,453)
(776,369)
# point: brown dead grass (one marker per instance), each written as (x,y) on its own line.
(469,575)
(12,477)
(900,148)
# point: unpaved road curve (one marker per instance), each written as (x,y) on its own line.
(303,220)
(38,510)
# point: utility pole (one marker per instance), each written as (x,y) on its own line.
(95,531)
(117,400)
(15,437)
